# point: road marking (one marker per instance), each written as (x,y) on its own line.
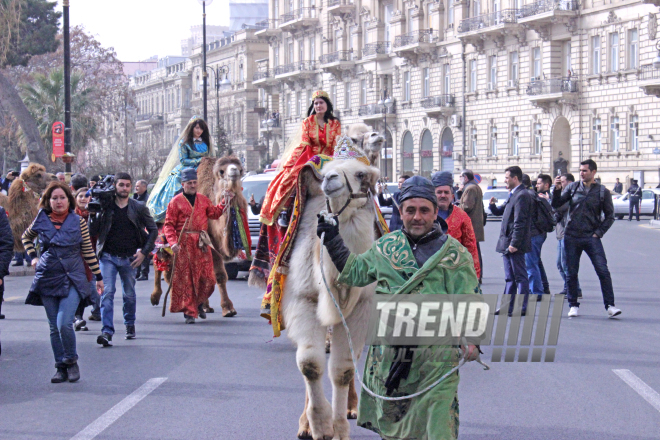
(113,414)
(11,298)
(637,384)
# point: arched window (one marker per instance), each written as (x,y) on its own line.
(408,154)
(447,150)
(426,154)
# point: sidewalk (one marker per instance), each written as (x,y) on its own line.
(21,271)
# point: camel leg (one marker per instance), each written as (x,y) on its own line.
(221,279)
(352,401)
(328,340)
(304,431)
(158,291)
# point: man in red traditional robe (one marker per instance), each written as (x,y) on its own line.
(193,280)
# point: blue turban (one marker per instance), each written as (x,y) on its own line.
(188,174)
(418,187)
(442,178)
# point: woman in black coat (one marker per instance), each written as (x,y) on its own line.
(6,252)
(60,281)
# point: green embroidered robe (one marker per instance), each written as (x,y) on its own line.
(391,264)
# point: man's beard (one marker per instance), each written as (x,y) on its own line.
(121,196)
(190,193)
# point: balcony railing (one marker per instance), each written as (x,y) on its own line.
(332,3)
(375,110)
(648,72)
(298,14)
(414,37)
(263,74)
(378,48)
(299,66)
(438,101)
(341,55)
(269,23)
(552,85)
(143,117)
(541,6)
(487,20)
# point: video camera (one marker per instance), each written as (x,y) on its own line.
(103,194)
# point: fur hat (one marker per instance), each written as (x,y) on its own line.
(188,174)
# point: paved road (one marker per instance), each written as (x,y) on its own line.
(227,378)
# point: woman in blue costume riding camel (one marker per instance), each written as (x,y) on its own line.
(187,152)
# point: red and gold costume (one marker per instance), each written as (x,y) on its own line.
(460,227)
(193,280)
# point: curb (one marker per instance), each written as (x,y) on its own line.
(21,273)
(654,224)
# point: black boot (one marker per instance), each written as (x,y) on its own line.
(60,375)
(200,310)
(73,371)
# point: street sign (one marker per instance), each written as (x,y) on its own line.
(58,140)
(656,151)
(477,178)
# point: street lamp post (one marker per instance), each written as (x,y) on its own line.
(67,83)
(268,123)
(218,85)
(386,104)
(204,76)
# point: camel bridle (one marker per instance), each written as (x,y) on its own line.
(352,196)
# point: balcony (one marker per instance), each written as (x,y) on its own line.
(268,28)
(337,61)
(263,77)
(649,80)
(299,19)
(149,119)
(276,129)
(494,25)
(441,105)
(547,92)
(378,50)
(299,69)
(414,43)
(341,8)
(255,106)
(542,14)
(376,113)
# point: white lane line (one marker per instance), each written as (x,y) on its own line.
(101,424)
(637,384)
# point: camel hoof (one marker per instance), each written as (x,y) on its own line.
(209,309)
(327,346)
(305,434)
(155,299)
(229,314)
(351,414)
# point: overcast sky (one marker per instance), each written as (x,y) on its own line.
(138,29)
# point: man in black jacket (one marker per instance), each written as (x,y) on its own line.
(395,221)
(635,197)
(122,246)
(515,236)
(6,253)
(587,199)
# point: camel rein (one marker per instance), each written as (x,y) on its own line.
(360,195)
(330,219)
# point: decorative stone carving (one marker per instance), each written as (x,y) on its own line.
(653,26)
(612,18)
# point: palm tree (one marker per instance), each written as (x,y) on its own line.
(45,100)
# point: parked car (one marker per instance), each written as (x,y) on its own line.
(500,194)
(647,207)
(392,188)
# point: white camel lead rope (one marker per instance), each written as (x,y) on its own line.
(328,218)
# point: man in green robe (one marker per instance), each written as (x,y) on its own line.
(419,259)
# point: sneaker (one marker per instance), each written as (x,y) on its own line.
(613,311)
(105,339)
(73,372)
(200,310)
(79,324)
(60,376)
(94,318)
(130,332)
(574,312)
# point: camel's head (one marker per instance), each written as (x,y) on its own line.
(36,177)
(361,178)
(228,168)
(366,140)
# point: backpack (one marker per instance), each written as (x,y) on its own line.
(545,220)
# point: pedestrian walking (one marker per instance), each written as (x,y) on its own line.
(395,220)
(141,195)
(584,231)
(471,202)
(618,187)
(60,281)
(122,245)
(542,222)
(458,222)
(515,236)
(82,199)
(634,199)
(6,253)
(186,226)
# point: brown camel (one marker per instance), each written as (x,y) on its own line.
(218,179)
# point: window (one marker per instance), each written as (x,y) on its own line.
(450,15)
(614,133)
(365,31)
(410,24)
(632,49)
(426,79)
(634,133)
(474,141)
(566,59)
(514,68)
(241,73)
(312,49)
(239,122)
(291,60)
(408,154)
(597,135)
(337,40)
(276,53)
(536,54)
(537,138)
(301,51)
(363,92)
(614,52)
(493,141)
(426,155)
(347,95)
(595,54)
(388,25)
(476,8)
(406,86)
(447,79)
(492,77)
(299,103)
(333,93)
(288,105)
(515,140)
(473,75)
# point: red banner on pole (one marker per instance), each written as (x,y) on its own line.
(58,139)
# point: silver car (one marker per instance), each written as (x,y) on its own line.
(500,194)
(647,207)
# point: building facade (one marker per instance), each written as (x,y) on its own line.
(482,84)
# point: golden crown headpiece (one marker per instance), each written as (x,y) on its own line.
(345,150)
(320,94)
(194,118)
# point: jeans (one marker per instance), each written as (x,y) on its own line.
(112,265)
(594,249)
(60,312)
(516,277)
(96,300)
(563,267)
(544,277)
(143,269)
(481,262)
(532,259)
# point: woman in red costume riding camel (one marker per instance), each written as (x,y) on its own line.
(318,135)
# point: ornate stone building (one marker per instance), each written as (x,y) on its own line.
(483,84)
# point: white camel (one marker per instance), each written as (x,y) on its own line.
(307,309)
(366,140)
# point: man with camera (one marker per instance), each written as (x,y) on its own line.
(120,224)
